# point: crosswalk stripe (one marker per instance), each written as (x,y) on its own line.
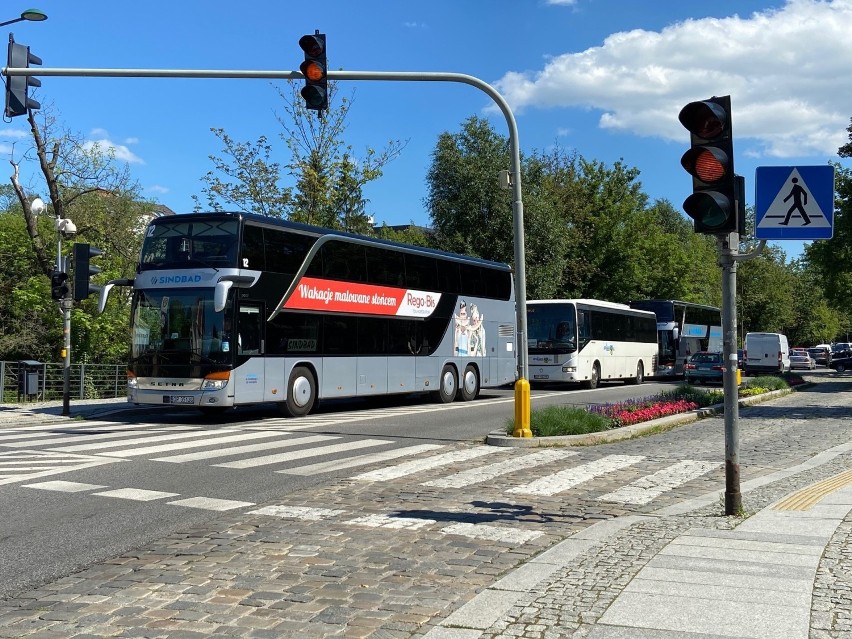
(390,521)
(297,512)
(238,450)
(478,475)
(646,489)
(64,435)
(565,479)
(183,445)
(359,460)
(136,494)
(302,454)
(10,478)
(209,503)
(64,486)
(135,440)
(435,461)
(493,533)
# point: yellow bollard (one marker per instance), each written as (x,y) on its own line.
(739,377)
(522,409)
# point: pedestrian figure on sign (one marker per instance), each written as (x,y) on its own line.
(800,198)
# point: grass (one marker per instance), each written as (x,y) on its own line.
(569,420)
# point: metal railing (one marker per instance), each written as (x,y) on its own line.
(35,381)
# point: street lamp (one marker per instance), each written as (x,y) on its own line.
(33,15)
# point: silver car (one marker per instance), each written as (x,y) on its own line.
(802,359)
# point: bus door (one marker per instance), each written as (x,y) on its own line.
(249,374)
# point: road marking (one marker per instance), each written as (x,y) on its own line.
(297,512)
(389,521)
(358,460)
(250,448)
(565,479)
(136,494)
(19,466)
(82,435)
(64,486)
(302,454)
(198,443)
(492,533)
(646,489)
(209,503)
(137,440)
(478,475)
(435,461)
(807,497)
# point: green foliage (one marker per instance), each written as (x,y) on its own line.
(563,420)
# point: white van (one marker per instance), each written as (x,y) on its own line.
(766,353)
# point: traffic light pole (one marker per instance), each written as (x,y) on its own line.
(522,392)
(66,304)
(728,249)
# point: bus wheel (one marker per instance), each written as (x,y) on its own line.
(640,375)
(469,388)
(596,377)
(301,392)
(447,385)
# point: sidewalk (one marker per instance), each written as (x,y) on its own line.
(680,571)
(21,414)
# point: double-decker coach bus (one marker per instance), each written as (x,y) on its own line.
(683,328)
(588,341)
(232,309)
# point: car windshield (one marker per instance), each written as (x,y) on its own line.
(706,358)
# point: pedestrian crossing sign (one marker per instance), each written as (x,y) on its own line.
(794,202)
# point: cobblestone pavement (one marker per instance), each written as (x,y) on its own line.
(387,560)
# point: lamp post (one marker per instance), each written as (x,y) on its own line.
(65,228)
(32,15)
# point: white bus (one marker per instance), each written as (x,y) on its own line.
(683,328)
(233,309)
(589,341)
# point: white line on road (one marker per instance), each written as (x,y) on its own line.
(251,448)
(417,465)
(301,454)
(478,475)
(648,488)
(359,460)
(565,479)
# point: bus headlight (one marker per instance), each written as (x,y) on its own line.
(216,381)
(569,369)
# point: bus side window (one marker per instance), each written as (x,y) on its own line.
(250,332)
(583,328)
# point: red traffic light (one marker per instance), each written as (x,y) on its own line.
(709,164)
(706,120)
(312,70)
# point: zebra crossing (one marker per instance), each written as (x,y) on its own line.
(40,451)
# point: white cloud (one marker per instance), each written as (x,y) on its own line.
(120,151)
(156,188)
(787,72)
(14,134)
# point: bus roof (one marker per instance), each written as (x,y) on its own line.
(591,302)
(690,304)
(318,230)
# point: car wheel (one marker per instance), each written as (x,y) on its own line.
(840,368)
(596,377)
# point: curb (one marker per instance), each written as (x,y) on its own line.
(500,438)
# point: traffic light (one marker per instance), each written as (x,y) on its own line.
(58,285)
(17,86)
(83,271)
(314,68)
(710,162)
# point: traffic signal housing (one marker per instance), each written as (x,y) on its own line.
(710,162)
(58,285)
(84,270)
(315,70)
(18,101)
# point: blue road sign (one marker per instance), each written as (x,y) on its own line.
(794,202)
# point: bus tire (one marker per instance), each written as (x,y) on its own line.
(448,385)
(469,387)
(301,392)
(640,375)
(596,377)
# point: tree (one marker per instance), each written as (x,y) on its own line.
(82,182)
(328,178)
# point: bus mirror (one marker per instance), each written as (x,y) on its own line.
(104,294)
(675,333)
(220,295)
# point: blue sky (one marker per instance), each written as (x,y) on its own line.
(603,77)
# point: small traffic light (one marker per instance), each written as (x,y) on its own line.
(315,70)
(710,162)
(83,271)
(58,285)
(18,101)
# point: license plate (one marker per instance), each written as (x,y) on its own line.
(178,399)
(541,376)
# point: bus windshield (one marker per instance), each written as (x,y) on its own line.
(552,328)
(176,332)
(185,244)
